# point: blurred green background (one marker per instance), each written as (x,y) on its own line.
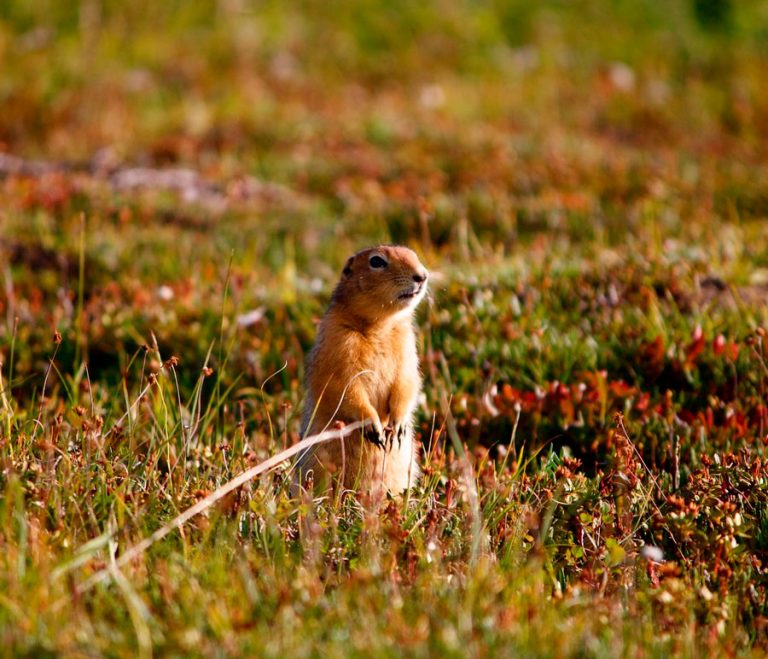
(130,72)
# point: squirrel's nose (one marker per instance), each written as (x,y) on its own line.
(420,278)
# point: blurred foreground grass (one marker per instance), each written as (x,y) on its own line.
(588,182)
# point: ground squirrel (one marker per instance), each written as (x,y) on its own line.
(364,366)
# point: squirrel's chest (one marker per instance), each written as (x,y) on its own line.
(390,365)
(390,359)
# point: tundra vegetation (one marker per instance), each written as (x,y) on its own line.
(180,184)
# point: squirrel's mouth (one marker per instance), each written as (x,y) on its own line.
(409,295)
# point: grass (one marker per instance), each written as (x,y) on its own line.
(585,181)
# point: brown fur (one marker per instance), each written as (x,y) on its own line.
(364,366)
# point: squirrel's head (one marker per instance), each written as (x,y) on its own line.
(379,282)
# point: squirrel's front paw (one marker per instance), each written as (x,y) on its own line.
(398,432)
(375,435)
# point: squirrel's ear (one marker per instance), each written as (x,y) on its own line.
(348,267)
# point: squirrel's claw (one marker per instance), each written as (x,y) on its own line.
(389,437)
(400,432)
(395,432)
(375,436)
(385,438)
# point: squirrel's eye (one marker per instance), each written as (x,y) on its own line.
(377,262)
